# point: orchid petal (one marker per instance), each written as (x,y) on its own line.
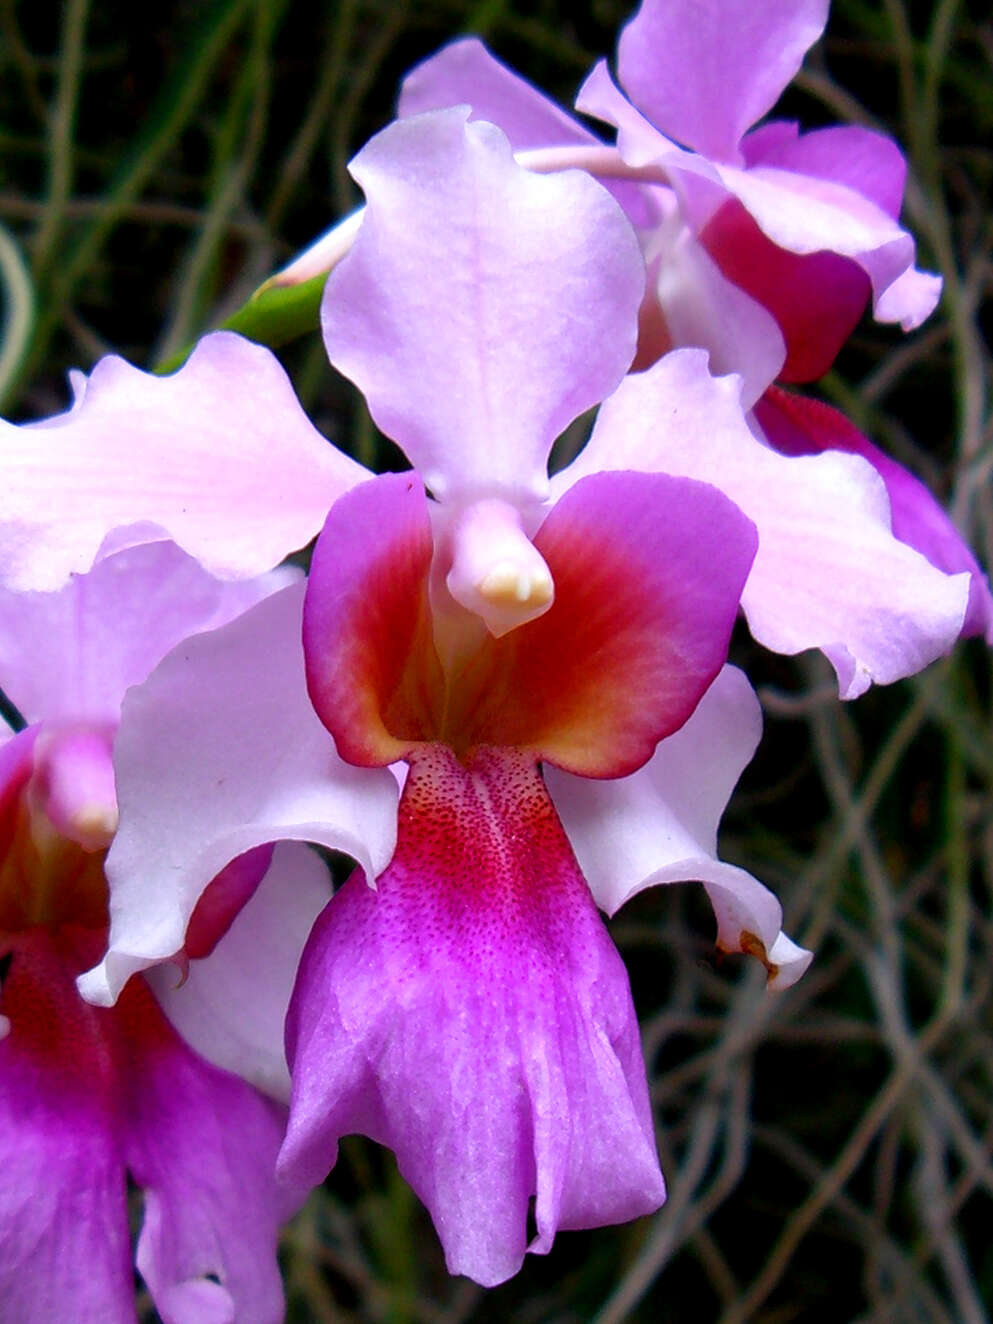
(219,456)
(807,215)
(464,73)
(480,1024)
(704,72)
(829,573)
(62,1187)
(639,142)
(202,1145)
(70,655)
(816,299)
(833,191)
(232,1005)
(868,163)
(872,167)
(219,751)
(660,825)
(367,637)
(701,307)
(798,426)
(480,315)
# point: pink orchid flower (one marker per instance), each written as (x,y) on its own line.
(90,1096)
(542,659)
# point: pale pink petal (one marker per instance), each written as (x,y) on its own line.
(815,298)
(701,307)
(705,71)
(219,456)
(639,142)
(464,73)
(232,1005)
(473,1015)
(805,214)
(482,307)
(70,655)
(202,1145)
(829,573)
(910,299)
(660,825)
(798,426)
(65,1253)
(865,161)
(219,751)
(871,166)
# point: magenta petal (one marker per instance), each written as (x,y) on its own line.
(219,456)
(704,72)
(806,214)
(473,1015)
(872,167)
(480,315)
(202,1145)
(798,426)
(65,1253)
(638,628)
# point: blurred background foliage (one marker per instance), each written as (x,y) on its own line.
(828,1150)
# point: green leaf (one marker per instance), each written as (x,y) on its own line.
(273,315)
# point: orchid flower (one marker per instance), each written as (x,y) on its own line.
(459,999)
(90,1096)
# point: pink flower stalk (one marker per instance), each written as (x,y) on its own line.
(90,1096)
